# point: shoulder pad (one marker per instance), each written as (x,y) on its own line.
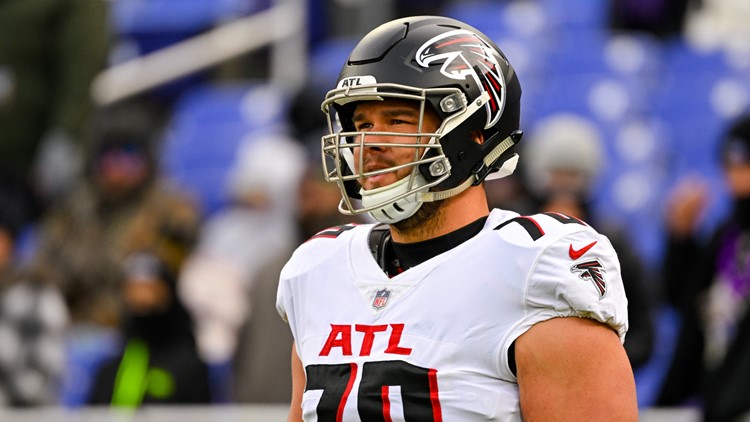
(539,225)
(333,232)
(319,248)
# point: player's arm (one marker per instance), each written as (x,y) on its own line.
(574,369)
(298,387)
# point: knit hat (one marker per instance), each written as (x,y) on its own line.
(562,142)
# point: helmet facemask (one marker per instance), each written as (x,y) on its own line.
(444,66)
(343,150)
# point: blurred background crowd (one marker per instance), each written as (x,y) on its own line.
(159,161)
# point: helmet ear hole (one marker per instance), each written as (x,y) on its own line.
(477,136)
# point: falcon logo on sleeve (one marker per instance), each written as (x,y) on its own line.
(593,271)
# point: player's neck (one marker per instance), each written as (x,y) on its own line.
(453,214)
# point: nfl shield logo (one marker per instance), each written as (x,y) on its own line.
(381,298)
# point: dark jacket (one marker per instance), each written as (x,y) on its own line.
(690,271)
(159,364)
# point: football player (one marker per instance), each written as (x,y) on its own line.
(444,309)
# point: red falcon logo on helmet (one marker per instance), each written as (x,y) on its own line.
(465,55)
(592,270)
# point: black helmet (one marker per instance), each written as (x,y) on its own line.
(449,67)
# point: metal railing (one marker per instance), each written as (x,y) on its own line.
(282,28)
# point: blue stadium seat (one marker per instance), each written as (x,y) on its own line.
(604,97)
(576,13)
(207,126)
(698,97)
(486,16)
(141,27)
(185,16)
(630,54)
(326,60)
(680,55)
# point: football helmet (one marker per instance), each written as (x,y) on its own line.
(441,64)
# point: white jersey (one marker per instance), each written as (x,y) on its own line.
(432,342)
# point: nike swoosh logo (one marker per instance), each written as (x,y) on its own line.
(575,254)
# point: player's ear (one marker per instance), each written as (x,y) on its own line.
(477,136)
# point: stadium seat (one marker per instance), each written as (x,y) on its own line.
(207,126)
(605,97)
(486,16)
(326,59)
(141,27)
(130,17)
(577,14)
(698,97)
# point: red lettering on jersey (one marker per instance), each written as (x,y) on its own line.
(393,347)
(369,331)
(340,336)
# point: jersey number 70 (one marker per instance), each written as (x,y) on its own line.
(419,391)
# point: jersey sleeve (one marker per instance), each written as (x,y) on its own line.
(566,282)
(578,275)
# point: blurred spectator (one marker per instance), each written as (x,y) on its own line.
(83,239)
(49,53)
(159,363)
(562,160)
(722,25)
(261,368)
(33,319)
(664,18)
(11,225)
(230,280)
(317,208)
(709,284)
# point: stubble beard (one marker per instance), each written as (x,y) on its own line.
(427,218)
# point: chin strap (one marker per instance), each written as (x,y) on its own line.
(508,167)
(445,194)
(406,206)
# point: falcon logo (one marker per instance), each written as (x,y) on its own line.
(592,270)
(464,55)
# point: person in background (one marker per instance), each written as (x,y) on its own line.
(83,239)
(708,282)
(49,54)
(562,160)
(225,282)
(159,362)
(663,18)
(317,207)
(33,320)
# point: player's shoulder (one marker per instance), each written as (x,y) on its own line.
(540,230)
(323,245)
